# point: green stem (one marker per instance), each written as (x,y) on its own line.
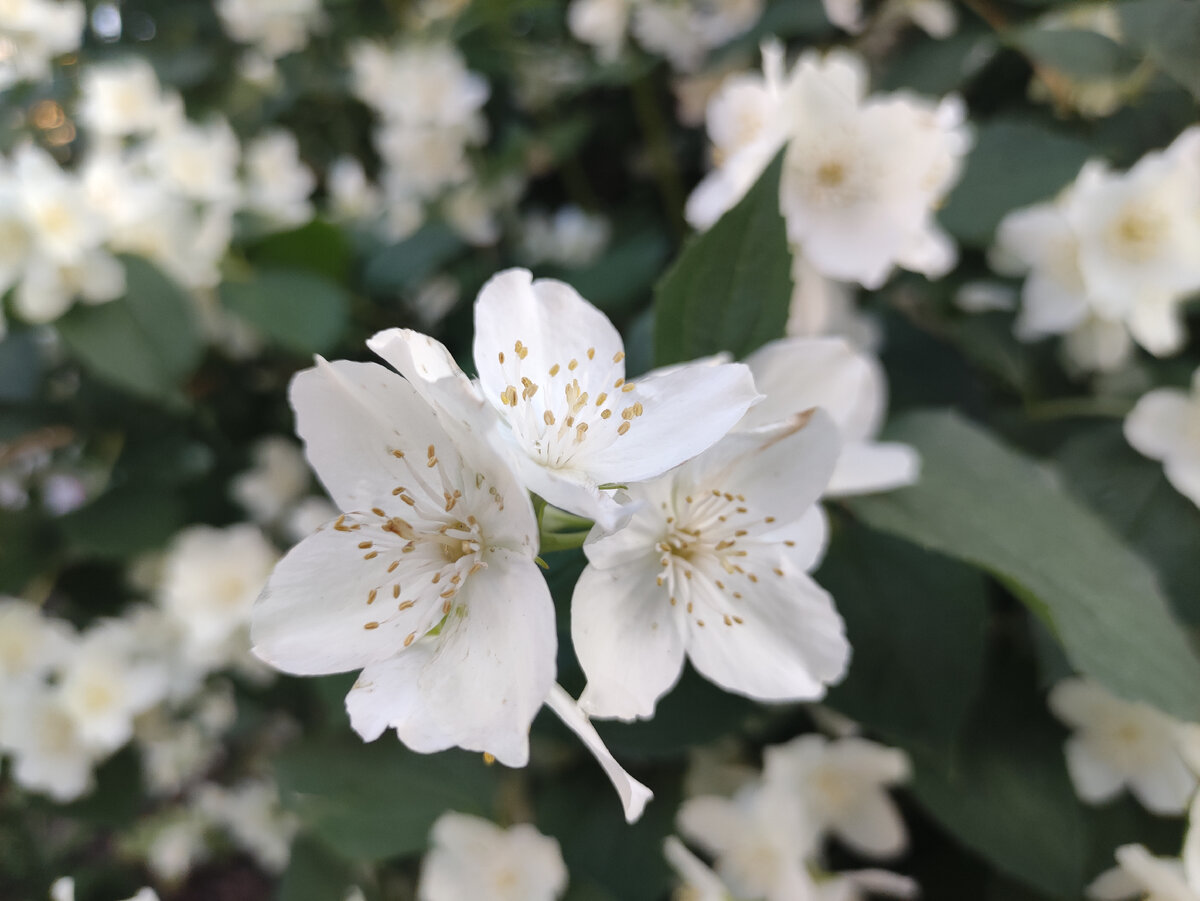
(562,541)
(1077,407)
(658,142)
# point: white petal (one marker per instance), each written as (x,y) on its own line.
(627,641)
(695,875)
(1114,885)
(873,826)
(1048,307)
(1156,426)
(884,882)
(311,618)
(790,644)
(634,795)
(1191,847)
(869,467)
(687,410)
(384,693)
(1164,787)
(1184,475)
(1095,780)
(1156,323)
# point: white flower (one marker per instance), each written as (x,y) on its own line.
(31,643)
(825,306)
(62,224)
(571,237)
(759,839)
(845,14)
(685,31)
(471,859)
(251,813)
(427,581)
(49,755)
(34,32)
(600,23)
(277,480)
(1139,874)
(210,580)
(109,679)
(121,98)
(1165,425)
(277,182)
(351,196)
(1120,743)
(276,27)
(49,288)
(197,160)
(699,883)
(435,299)
(177,845)
(862,176)
(858,885)
(842,788)
(796,374)
(712,566)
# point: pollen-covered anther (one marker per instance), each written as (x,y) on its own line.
(581,431)
(508,396)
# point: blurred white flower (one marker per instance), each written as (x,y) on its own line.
(308,516)
(435,299)
(571,237)
(121,98)
(250,812)
(841,787)
(1118,744)
(427,582)
(278,184)
(759,839)
(601,24)
(797,374)
(278,479)
(210,580)
(31,643)
(33,33)
(684,32)
(177,845)
(197,160)
(471,859)
(352,197)
(697,881)
(1139,874)
(275,27)
(49,755)
(1165,425)
(713,566)
(822,306)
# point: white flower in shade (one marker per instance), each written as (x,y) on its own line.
(713,567)
(426,582)
(571,237)
(1118,744)
(470,858)
(1165,425)
(797,374)
(278,184)
(276,27)
(49,288)
(1139,874)
(210,580)
(31,643)
(697,881)
(60,221)
(34,32)
(842,788)
(759,840)
(48,752)
(858,885)
(176,845)
(108,681)
(351,195)
(277,480)
(747,124)
(435,299)
(823,306)
(684,32)
(197,160)
(252,815)
(553,367)
(601,24)
(121,98)
(862,177)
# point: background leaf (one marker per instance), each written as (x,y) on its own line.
(300,311)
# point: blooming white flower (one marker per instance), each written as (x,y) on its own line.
(277,480)
(121,98)
(33,33)
(552,367)
(1120,743)
(759,839)
(862,176)
(1165,425)
(49,754)
(1139,874)
(60,221)
(470,858)
(842,787)
(600,23)
(278,184)
(713,566)
(796,374)
(427,581)
(210,580)
(276,27)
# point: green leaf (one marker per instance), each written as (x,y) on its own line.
(370,802)
(404,266)
(917,623)
(1075,52)
(297,310)
(147,342)
(314,873)
(125,520)
(730,288)
(1168,32)
(623,276)
(1013,163)
(1007,795)
(316,247)
(990,506)
(1135,498)
(20,367)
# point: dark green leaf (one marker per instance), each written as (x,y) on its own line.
(147,342)
(1013,163)
(404,266)
(370,802)
(730,288)
(917,623)
(984,503)
(124,521)
(316,247)
(20,366)
(1168,32)
(302,312)
(1075,52)
(314,873)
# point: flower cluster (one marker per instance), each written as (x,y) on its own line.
(33,33)
(1111,259)
(706,524)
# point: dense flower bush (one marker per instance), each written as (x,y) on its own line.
(737,450)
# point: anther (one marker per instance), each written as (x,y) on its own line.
(371,625)
(548,418)
(410,638)
(618,356)
(371,596)
(623,429)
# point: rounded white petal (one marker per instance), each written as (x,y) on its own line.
(869,467)
(1156,426)
(1095,779)
(873,826)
